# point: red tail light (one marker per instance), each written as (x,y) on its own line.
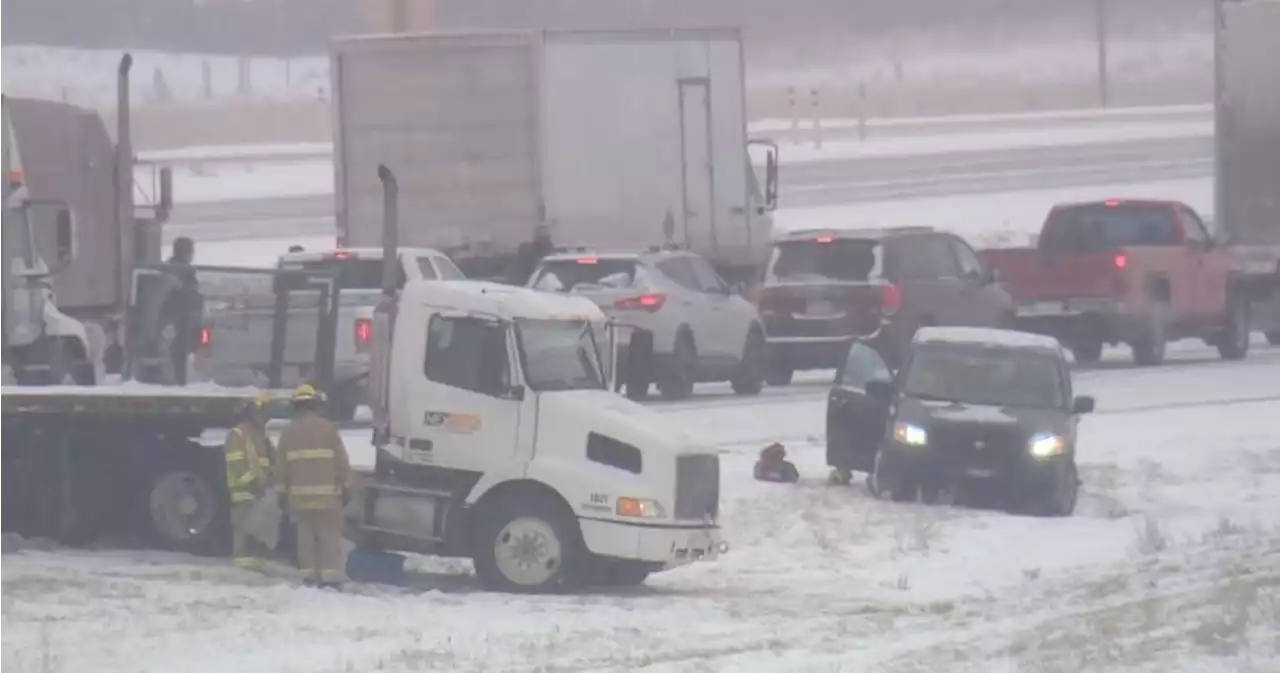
(206,336)
(645,302)
(890,299)
(1121,261)
(364,331)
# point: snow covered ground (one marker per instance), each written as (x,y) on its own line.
(1171,563)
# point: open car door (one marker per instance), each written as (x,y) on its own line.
(856,421)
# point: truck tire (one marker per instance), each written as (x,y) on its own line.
(529,544)
(749,379)
(186,508)
(677,384)
(1149,349)
(1233,341)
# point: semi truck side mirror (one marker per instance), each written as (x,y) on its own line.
(64,234)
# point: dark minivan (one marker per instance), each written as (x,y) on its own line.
(823,289)
(969,406)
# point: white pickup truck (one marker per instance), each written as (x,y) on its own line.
(233,338)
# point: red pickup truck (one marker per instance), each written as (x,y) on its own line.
(1127,271)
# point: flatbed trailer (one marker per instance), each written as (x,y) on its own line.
(120,463)
(125,464)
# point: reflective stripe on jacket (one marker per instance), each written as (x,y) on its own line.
(312,463)
(247,463)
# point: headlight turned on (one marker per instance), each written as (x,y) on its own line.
(1047,446)
(911,435)
(640,508)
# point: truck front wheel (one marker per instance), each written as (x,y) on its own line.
(528,545)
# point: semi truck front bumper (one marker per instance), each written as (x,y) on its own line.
(671,546)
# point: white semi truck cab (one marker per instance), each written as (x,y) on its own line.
(499,438)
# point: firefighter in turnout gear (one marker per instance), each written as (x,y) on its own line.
(248,454)
(312,472)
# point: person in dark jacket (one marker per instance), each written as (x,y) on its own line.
(530,254)
(774,466)
(183,308)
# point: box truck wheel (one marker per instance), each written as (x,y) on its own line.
(528,543)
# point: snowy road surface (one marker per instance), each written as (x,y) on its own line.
(1171,563)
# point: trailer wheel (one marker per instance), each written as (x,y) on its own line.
(527,543)
(187,509)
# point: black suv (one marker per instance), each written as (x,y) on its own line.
(822,289)
(969,407)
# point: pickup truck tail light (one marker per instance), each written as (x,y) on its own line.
(363,334)
(890,299)
(646,302)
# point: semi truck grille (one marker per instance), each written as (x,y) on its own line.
(697,487)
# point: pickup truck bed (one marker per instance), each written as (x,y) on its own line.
(1128,271)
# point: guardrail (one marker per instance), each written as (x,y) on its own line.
(780,129)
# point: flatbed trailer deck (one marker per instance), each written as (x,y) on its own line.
(118,462)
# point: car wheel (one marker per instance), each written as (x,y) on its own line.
(1149,350)
(1060,500)
(678,383)
(1233,342)
(749,379)
(528,545)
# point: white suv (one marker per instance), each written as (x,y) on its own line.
(699,329)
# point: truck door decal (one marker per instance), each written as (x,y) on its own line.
(454,422)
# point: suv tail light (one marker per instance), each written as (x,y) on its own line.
(890,299)
(206,337)
(1121,260)
(363,333)
(645,302)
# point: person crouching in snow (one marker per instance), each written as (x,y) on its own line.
(774,466)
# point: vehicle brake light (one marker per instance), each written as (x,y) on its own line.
(1111,203)
(1121,261)
(588,260)
(340,254)
(890,299)
(826,239)
(644,302)
(364,331)
(206,336)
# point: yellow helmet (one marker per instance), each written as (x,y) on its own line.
(306,392)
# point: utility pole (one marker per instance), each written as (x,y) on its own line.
(1100,35)
(1221,110)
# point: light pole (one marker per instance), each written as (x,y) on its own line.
(1100,35)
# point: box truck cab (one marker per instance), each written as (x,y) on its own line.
(503,442)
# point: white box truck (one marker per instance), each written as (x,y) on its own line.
(609,139)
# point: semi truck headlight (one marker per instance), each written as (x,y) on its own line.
(640,508)
(1046,446)
(911,435)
